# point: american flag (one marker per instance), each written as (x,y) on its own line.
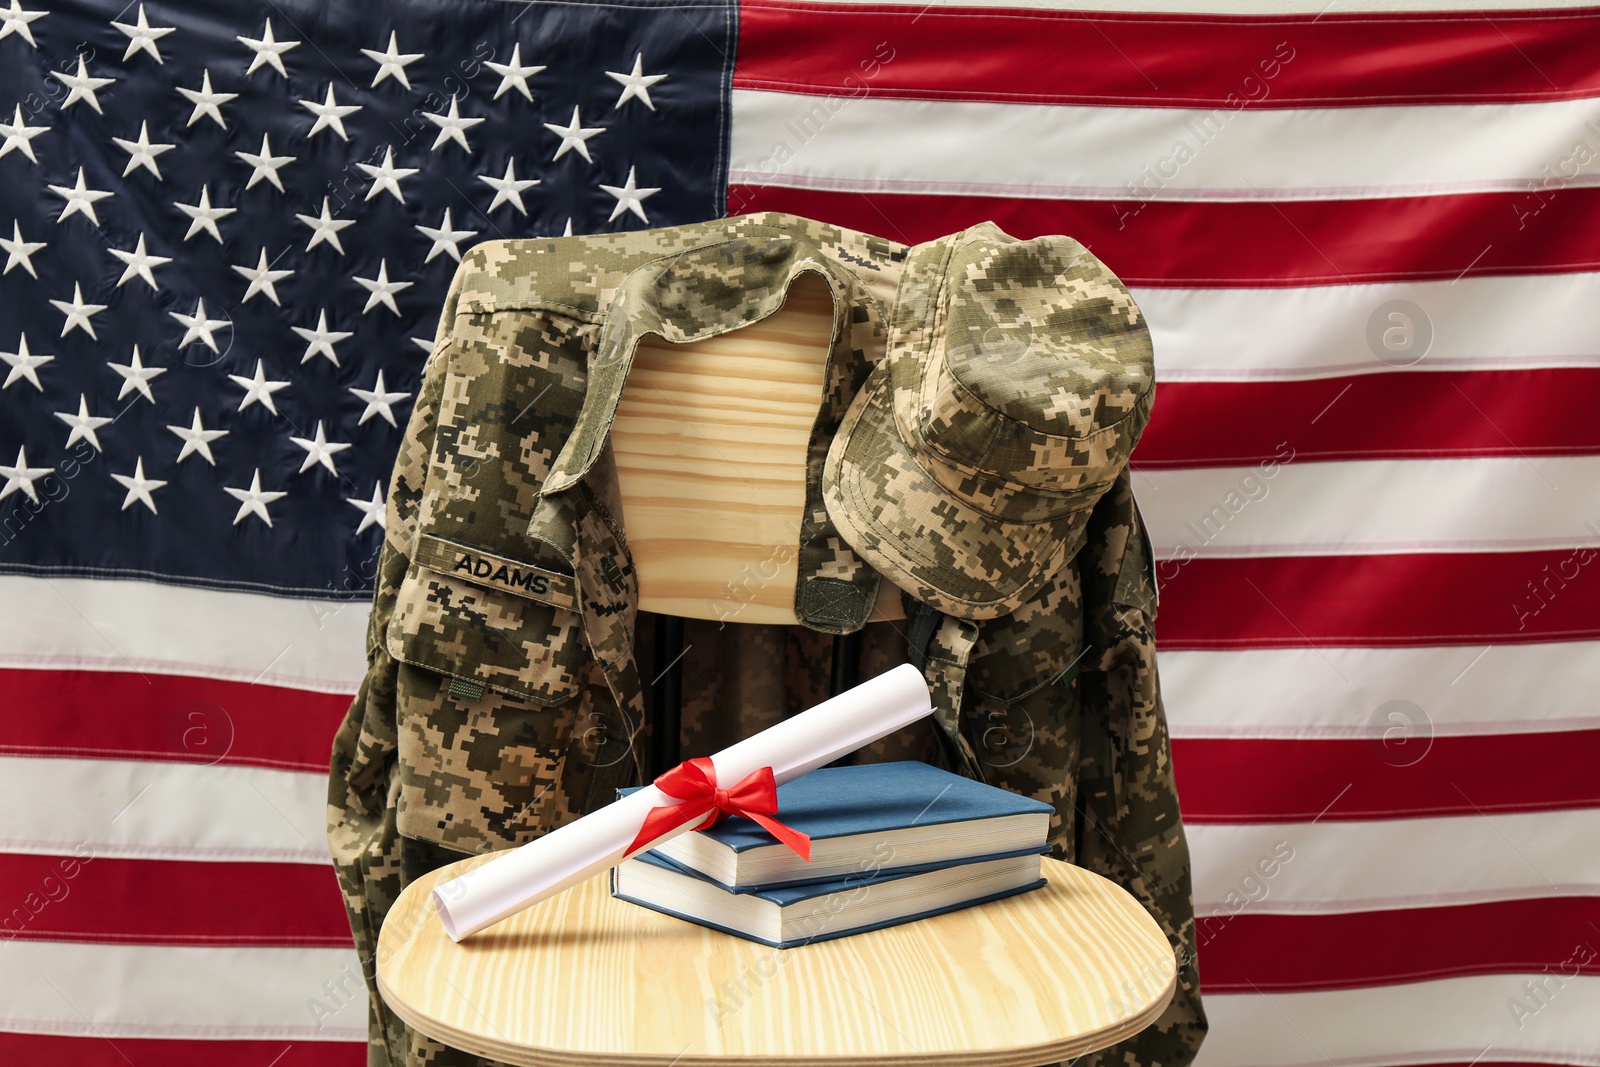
(1366,236)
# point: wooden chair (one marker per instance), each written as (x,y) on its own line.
(710,445)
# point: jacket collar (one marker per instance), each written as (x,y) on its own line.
(734,275)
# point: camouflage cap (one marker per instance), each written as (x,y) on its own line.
(1016,380)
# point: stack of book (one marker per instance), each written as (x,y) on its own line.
(890,842)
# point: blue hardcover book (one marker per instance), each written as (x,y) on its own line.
(790,915)
(878,816)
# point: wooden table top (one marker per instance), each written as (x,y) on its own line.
(584,978)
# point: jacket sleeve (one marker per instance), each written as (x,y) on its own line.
(1063,705)
(1130,829)
(361,820)
(372,860)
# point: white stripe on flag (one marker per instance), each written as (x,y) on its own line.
(243,813)
(1318,331)
(1052,151)
(1335,693)
(119,625)
(154,810)
(1453,1020)
(1356,507)
(286,994)
(1332,866)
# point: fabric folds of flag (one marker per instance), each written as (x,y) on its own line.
(1367,240)
(228,229)
(1366,245)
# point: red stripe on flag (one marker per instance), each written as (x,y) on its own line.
(1251,952)
(1247,243)
(1379,600)
(50,1050)
(1394,415)
(1402,770)
(1156,59)
(170,902)
(117,715)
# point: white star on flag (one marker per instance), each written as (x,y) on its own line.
(80,200)
(268,50)
(136,376)
(508,189)
(513,75)
(381,290)
(196,438)
(253,501)
(81,86)
(206,102)
(262,279)
(19,135)
(371,510)
(330,114)
(197,327)
(19,251)
(16,21)
(629,197)
(21,476)
(635,84)
(137,264)
(138,486)
(24,364)
(257,389)
(78,312)
(142,37)
(202,216)
(83,425)
(445,239)
(574,135)
(319,450)
(379,401)
(321,340)
(391,63)
(325,227)
(142,153)
(266,165)
(387,175)
(452,127)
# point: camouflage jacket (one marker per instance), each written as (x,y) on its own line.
(505,650)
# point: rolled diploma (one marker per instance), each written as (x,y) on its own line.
(586,846)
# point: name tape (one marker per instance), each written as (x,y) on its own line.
(497,572)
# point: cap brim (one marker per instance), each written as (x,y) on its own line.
(927,541)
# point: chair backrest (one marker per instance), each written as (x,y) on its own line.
(710,443)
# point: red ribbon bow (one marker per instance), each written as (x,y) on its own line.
(694,782)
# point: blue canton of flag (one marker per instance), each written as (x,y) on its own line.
(228,228)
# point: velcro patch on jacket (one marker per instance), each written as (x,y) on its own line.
(497,572)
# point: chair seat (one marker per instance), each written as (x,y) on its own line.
(584,978)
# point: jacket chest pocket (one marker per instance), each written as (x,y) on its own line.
(489,695)
(489,622)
